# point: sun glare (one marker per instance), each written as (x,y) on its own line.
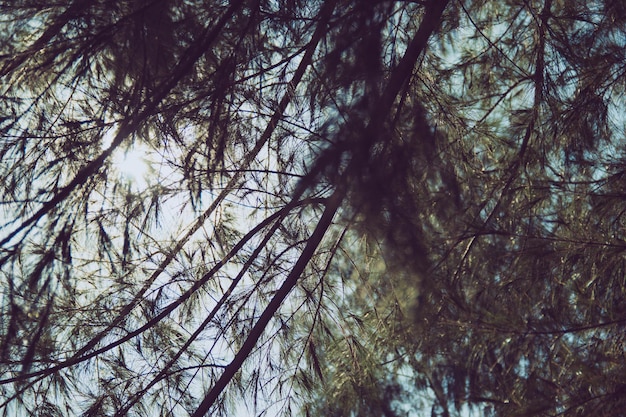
(133,165)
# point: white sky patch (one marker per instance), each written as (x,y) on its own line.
(133,165)
(137,164)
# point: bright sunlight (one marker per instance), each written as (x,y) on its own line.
(133,165)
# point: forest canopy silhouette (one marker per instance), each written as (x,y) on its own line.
(317,208)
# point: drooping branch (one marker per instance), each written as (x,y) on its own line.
(134,122)
(231,185)
(400,75)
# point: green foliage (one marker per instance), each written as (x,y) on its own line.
(339,208)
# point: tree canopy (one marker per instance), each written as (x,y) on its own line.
(312,207)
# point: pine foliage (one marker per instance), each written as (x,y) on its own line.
(312,207)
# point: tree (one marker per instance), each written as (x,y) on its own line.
(345,207)
(519,311)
